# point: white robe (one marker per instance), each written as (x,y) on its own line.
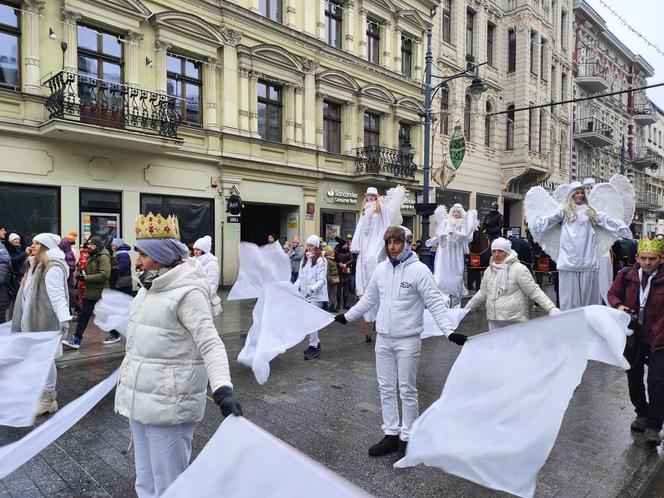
(453,239)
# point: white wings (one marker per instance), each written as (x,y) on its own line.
(626,191)
(539,204)
(392,201)
(605,198)
(560,194)
(440,215)
(472,221)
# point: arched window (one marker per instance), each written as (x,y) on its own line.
(510,128)
(444,111)
(487,125)
(466,117)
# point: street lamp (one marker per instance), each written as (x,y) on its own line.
(423,207)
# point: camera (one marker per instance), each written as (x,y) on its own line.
(634,322)
(81,273)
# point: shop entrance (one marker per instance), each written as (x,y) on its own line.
(260,220)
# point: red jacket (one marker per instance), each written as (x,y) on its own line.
(625,291)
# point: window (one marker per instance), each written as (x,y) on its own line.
(511,51)
(406,56)
(198,211)
(447,20)
(371,129)
(184,80)
(540,133)
(466,117)
(269,111)
(544,55)
(373,42)
(531,128)
(470,39)
(553,84)
(9,46)
(563,84)
(563,29)
(510,128)
(404,135)
(333,17)
(30,209)
(487,125)
(270,9)
(533,52)
(332,127)
(444,111)
(490,31)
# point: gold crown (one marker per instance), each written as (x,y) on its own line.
(152,226)
(654,245)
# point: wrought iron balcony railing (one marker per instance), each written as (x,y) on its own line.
(593,125)
(376,160)
(115,105)
(591,70)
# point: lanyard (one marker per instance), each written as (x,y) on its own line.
(643,293)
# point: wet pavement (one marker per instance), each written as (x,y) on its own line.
(329,409)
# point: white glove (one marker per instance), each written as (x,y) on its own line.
(554,311)
(64,329)
(431,242)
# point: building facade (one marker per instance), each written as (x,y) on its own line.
(109,109)
(527,48)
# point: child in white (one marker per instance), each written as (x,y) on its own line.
(312,284)
(203,254)
(401,288)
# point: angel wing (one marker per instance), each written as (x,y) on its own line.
(605,198)
(439,215)
(538,204)
(472,221)
(626,191)
(560,194)
(392,201)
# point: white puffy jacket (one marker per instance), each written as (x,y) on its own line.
(401,293)
(172,348)
(211,267)
(513,305)
(312,280)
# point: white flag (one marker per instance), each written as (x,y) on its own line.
(241,460)
(506,395)
(112,311)
(259,265)
(25,360)
(430,327)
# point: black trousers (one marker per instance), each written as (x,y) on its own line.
(652,408)
(84,316)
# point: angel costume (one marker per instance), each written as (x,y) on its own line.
(454,231)
(575,235)
(368,241)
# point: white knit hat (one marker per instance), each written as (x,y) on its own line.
(501,244)
(49,240)
(204,244)
(314,240)
(372,191)
(12,237)
(589,181)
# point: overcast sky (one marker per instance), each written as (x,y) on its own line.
(646,17)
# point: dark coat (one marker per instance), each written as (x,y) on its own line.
(5,275)
(625,291)
(344,257)
(523,250)
(70,258)
(493,224)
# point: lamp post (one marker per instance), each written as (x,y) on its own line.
(425,208)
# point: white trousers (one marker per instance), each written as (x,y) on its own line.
(313,337)
(396,361)
(161,454)
(497,324)
(577,289)
(52,378)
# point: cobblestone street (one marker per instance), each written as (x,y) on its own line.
(329,409)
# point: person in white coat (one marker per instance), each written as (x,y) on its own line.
(506,288)
(312,284)
(401,288)
(42,304)
(203,253)
(172,350)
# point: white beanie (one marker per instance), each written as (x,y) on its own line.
(589,181)
(372,191)
(204,244)
(314,240)
(12,237)
(501,244)
(49,240)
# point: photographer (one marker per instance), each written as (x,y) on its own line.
(639,291)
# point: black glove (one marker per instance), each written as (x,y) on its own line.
(456,338)
(224,398)
(80,278)
(341,319)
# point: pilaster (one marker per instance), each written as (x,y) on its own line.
(347,123)
(230,89)
(30,45)
(244,101)
(70,37)
(253,104)
(132,59)
(161,48)
(289,113)
(210,93)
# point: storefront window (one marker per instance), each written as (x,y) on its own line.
(196,214)
(29,210)
(336,224)
(483,203)
(101,214)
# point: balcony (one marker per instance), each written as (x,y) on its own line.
(648,201)
(644,115)
(646,157)
(378,160)
(593,132)
(112,105)
(591,76)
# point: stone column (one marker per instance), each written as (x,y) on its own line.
(70,37)
(418,59)
(362,32)
(244,101)
(396,43)
(320,144)
(230,89)
(132,58)
(320,20)
(253,104)
(309,117)
(347,123)
(290,14)
(210,93)
(385,45)
(395,128)
(289,113)
(30,45)
(386,130)
(299,98)
(347,26)
(360,125)
(161,48)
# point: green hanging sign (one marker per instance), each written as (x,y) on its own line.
(457,147)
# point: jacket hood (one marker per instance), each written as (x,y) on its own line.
(188,274)
(65,244)
(55,253)
(124,247)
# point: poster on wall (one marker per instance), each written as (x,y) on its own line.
(292,225)
(311,210)
(104,225)
(331,232)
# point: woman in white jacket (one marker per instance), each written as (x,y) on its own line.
(42,303)
(203,254)
(312,284)
(506,287)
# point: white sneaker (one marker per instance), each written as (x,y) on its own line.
(47,403)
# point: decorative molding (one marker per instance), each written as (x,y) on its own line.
(232,36)
(101,169)
(34,6)
(162,46)
(309,65)
(134,37)
(69,16)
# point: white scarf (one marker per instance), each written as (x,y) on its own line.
(501,275)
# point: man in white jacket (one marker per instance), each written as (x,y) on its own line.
(402,287)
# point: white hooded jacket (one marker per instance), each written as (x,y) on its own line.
(312,280)
(211,266)
(401,293)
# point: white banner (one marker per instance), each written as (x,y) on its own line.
(242,460)
(5,328)
(112,311)
(506,395)
(430,327)
(25,360)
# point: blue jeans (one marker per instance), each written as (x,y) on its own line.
(293,276)
(84,316)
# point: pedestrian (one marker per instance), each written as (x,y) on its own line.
(271,238)
(42,304)
(95,277)
(492,225)
(173,349)
(344,260)
(312,284)
(73,238)
(332,280)
(18,257)
(578,261)
(479,254)
(120,253)
(401,288)
(70,258)
(523,250)
(639,291)
(286,246)
(352,288)
(203,254)
(5,281)
(296,253)
(507,287)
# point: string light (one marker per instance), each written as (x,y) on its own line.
(624,22)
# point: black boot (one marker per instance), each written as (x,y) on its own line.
(389,444)
(401,452)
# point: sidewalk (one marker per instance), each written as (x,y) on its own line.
(329,409)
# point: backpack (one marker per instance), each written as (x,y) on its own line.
(115,272)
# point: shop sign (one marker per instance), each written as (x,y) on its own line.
(234,204)
(342,197)
(311,210)
(233,219)
(408,203)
